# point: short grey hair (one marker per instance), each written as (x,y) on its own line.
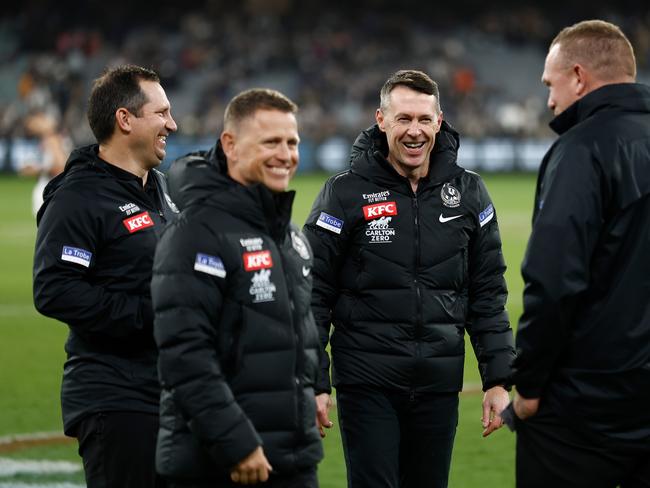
(413,79)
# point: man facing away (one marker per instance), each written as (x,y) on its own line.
(231,289)
(407,257)
(97,232)
(583,367)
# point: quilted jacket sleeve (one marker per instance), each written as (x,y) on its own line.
(327,233)
(488,324)
(188,305)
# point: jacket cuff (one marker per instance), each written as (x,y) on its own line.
(528,391)
(239,443)
(503,383)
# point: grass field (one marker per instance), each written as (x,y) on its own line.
(31,347)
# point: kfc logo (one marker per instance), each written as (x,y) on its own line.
(254,261)
(379,210)
(138,222)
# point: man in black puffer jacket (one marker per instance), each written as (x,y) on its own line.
(583,346)
(407,257)
(231,289)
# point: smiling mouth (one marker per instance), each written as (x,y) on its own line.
(414,145)
(278,170)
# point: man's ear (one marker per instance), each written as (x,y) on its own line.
(439,122)
(381,122)
(228,143)
(582,80)
(123,120)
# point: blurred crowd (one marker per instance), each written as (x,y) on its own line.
(330,58)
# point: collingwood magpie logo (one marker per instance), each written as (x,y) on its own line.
(171,204)
(299,245)
(450,196)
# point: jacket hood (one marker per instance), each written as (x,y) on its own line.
(372,145)
(627,97)
(80,159)
(201,178)
(197,176)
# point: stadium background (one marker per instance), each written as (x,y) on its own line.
(332,59)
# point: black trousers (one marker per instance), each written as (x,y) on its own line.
(394,439)
(118,450)
(551,454)
(302,479)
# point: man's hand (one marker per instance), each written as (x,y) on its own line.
(525,407)
(494,401)
(253,469)
(323,406)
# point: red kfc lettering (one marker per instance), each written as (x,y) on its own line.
(254,261)
(379,210)
(138,222)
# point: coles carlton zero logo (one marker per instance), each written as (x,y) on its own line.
(138,222)
(257,260)
(379,210)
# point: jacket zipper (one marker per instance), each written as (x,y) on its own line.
(418,293)
(298,344)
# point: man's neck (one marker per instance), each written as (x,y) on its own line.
(413,175)
(123,159)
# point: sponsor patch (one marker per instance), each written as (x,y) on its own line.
(486,215)
(129,208)
(138,222)
(212,265)
(327,221)
(379,231)
(257,260)
(450,196)
(444,219)
(380,196)
(252,243)
(379,210)
(262,288)
(76,255)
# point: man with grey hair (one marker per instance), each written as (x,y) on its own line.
(407,258)
(583,367)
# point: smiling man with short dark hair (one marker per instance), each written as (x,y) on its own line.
(407,258)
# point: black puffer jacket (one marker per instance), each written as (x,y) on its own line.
(97,233)
(237,340)
(584,337)
(402,276)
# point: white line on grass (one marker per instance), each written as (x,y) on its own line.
(15,484)
(31,438)
(11,467)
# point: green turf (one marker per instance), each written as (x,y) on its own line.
(31,346)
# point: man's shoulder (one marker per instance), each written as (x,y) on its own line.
(342,179)
(468,182)
(82,185)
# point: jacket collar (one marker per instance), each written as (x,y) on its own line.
(201,178)
(627,97)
